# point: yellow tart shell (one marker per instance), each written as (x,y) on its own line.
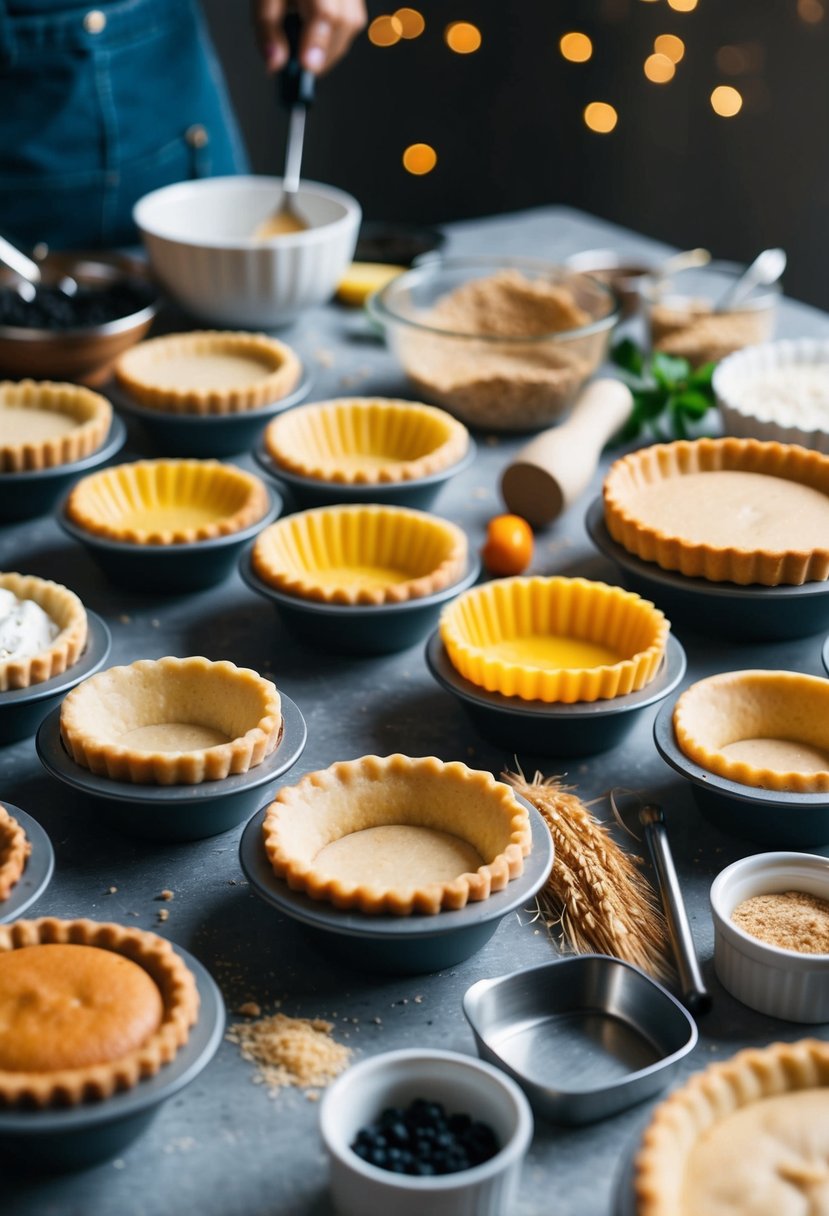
(14,852)
(90,415)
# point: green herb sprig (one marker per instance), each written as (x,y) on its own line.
(668,394)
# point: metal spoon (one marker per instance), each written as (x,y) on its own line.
(628,806)
(30,272)
(297,92)
(765,270)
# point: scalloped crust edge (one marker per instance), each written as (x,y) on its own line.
(65,649)
(448,453)
(714,562)
(71,1086)
(235,400)
(709,1096)
(429,899)
(70,399)
(138,767)
(15,849)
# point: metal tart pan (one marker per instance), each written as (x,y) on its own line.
(175,812)
(36,491)
(36,876)
(397,945)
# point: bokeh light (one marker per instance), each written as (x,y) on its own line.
(659,68)
(670,45)
(600,117)
(385,31)
(726,101)
(419,159)
(411,22)
(576,47)
(810,11)
(463,37)
(682,6)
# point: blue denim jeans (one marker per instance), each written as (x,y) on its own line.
(100,104)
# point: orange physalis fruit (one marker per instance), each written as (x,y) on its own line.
(509,545)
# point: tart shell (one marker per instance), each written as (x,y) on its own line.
(14,852)
(71,1086)
(91,412)
(374,791)
(66,610)
(714,562)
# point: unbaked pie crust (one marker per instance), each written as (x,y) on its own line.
(66,610)
(396,835)
(62,1043)
(728,510)
(171,721)
(14,852)
(43,424)
(208,372)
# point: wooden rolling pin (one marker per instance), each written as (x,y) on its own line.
(550,473)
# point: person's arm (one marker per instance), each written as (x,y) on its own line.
(328,29)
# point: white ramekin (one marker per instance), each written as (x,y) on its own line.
(462,1084)
(199,238)
(748,419)
(783,983)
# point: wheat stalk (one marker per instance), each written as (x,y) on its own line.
(595,893)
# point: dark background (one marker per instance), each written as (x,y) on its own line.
(507,121)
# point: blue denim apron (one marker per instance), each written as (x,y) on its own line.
(99,105)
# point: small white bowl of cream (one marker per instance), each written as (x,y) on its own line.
(777,391)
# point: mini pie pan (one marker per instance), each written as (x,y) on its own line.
(582,728)
(397,945)
(74,1137)
(420,492)
(359,628)
(216,435)
(36,492)
(825,655)
(773,818)
(744,614)
(175,812)
(37,875)
(170,569)
(23,709)
(585,1037)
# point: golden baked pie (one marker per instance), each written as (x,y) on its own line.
(746,1137)
(728,510)
(360,554)
(554,639)
(396,835)
(14,852)
(43,424)
(171,721)
(208,372)
(762,728)
(43,630)
(366,440)
(166,502)
(87,1009)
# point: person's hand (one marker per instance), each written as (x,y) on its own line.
(328,29)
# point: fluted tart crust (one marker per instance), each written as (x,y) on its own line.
(87,1009)
(208,372)
(396,835)
(171,721)
(727,510)
(44,424)
(67,612)
(14,852)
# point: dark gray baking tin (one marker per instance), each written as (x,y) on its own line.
(745,614)
(176,812)
(217,435)
(170,569)
(397,945)
(23,709)
(360,628)
(582,728)
(25,495)
(37,875)
(597,1035)
(770,817)
(307,492)
(825,656)
(79,1136)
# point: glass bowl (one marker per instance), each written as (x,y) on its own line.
(505,344)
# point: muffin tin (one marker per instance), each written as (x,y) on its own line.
(397,945)
(175,812)
(78,1136)
(745,614)
(36,876)
(581,728)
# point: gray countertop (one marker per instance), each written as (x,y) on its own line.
(223,1147)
